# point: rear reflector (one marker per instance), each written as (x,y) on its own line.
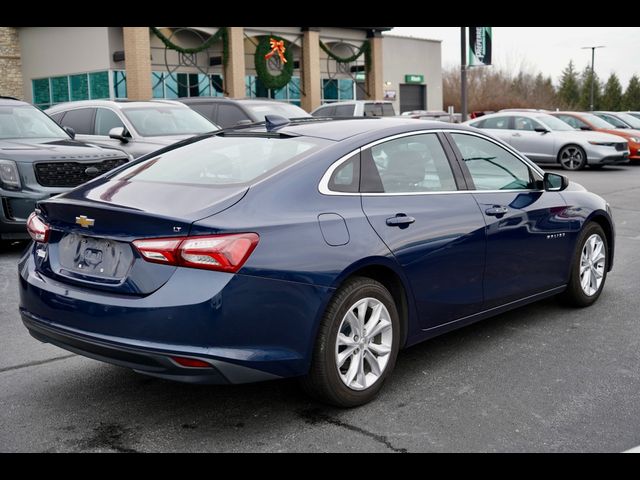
(38,230)
(191,362)
(226,253)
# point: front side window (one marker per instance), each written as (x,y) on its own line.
(80,119)
(612,120)
(573,121)
(220,161)
(492,167)
(525,123)
(106,120)
(164,120)
(410,164)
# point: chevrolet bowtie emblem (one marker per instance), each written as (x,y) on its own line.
(85,222)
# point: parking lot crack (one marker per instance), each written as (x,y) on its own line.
(33,364)
(315,416)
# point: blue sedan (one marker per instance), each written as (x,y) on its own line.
(308,248)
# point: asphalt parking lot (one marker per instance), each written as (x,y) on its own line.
(540,378)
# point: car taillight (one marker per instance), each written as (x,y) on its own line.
(38,230)
(226,253)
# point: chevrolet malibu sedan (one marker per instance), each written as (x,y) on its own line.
(314,249)
(546,139)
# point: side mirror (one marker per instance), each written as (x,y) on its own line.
(585,127)
(70,131)
(554,182)
(541,130)
(119,133)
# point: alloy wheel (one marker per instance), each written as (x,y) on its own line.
(572,158)
(364,343)
(592,264)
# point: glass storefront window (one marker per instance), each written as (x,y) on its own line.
(290,93)
(79,87)
(99,85)
(337,89)
(59,89)
(174,85)
(41,93)
(120,84)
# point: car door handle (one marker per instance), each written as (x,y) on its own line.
(516,135)
(400,220)
(496,210)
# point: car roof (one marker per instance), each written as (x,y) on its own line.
(342,128)
(117,104)
(228,99)
(7,101)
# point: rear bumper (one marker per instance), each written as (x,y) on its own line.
(157,363)
(248,328)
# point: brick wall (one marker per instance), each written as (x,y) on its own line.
(10,63)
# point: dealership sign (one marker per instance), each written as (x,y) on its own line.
(479,46)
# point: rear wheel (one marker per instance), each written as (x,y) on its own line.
(357,345)
(572,157)
(589,270)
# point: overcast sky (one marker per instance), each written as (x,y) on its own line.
(548,49)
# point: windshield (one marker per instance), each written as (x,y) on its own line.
(165,120)
(554,123)
(221,161)
(616,122)
(630,119)
(25,121)
(596,121)
(286,110)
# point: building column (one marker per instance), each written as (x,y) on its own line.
(310,69)
(375,83)
(234,72)
(137,62)
(10,63)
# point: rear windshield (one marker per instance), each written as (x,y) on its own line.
(164,120)
(378,110)
(222,160)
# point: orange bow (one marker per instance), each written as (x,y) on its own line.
(276,46)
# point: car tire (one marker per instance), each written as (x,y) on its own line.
(588,263)
(342,369)
(572,157)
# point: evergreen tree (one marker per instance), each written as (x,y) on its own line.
(631,99)
(612,95)
(587,78)
(569,89)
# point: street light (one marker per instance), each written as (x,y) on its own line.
(593,75)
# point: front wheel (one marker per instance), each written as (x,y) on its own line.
(357,345)
(572,157)
(589,270)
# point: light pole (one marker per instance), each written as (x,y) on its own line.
(593,74)
(463,73)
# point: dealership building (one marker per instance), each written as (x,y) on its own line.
(307,66)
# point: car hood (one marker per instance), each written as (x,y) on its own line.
(32,150)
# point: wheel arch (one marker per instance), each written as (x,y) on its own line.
(601,219)
(387,272)
(572,144)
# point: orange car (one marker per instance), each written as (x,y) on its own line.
(588,121)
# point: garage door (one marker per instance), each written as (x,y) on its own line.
(413,97)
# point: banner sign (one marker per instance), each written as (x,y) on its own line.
(479,46)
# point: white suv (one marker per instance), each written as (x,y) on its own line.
(355,108)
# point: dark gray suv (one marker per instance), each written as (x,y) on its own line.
(38,159)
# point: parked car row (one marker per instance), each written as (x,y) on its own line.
(572,140)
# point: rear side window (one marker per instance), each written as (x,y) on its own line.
(346,178)
(219,161)
(229,115)
(416,163)
(499,123)
(106,120)
(81,120)
(325,111)
(344,111)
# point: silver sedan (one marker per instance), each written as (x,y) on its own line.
(547,139)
